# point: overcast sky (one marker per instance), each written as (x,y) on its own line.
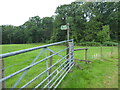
(17,12)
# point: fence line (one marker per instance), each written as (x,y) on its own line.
(101,52)
(67,62)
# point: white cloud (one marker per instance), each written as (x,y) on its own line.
(16,12)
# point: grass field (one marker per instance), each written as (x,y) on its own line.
(101,73)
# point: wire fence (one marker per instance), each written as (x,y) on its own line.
(96,52)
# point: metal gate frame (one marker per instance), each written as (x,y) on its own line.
(66,65)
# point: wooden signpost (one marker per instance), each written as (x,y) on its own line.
(66,27)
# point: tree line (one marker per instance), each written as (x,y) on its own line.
(89,21)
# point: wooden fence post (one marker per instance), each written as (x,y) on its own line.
(101,51)
(86,55)
(67,51)
(2,84)
(112,50)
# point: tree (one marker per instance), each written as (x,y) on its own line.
(88,22)
(103,35)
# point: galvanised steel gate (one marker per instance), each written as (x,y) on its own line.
(52,71)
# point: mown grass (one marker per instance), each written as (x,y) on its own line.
(81,79)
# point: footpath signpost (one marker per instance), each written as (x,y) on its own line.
(66,27)
(69,44)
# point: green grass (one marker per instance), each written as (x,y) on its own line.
(15,63)
(96,72)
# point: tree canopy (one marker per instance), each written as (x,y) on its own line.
(89,21)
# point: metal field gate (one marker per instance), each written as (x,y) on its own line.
(46,70)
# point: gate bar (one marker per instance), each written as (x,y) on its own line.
(11,75)
(54,52)
(50,75)
(59,76)
(30,49)
(63,77)
(43,72)
(28,69)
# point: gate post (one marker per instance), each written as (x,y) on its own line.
(2,84)
(71,50)
(0,73)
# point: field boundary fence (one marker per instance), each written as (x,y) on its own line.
(63,65)
(102,52)
(53,76)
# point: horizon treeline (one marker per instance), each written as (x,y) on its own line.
(89,22)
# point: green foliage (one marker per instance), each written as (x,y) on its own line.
(89,43)
(104,34)
(33,31)
(110,44)
(89,21)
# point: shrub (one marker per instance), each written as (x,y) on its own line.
(89,44)
(110,44)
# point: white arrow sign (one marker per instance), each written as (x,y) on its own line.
(64,27)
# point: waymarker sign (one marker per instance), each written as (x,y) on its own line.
(64,27)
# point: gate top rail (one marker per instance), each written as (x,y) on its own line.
(31,49)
